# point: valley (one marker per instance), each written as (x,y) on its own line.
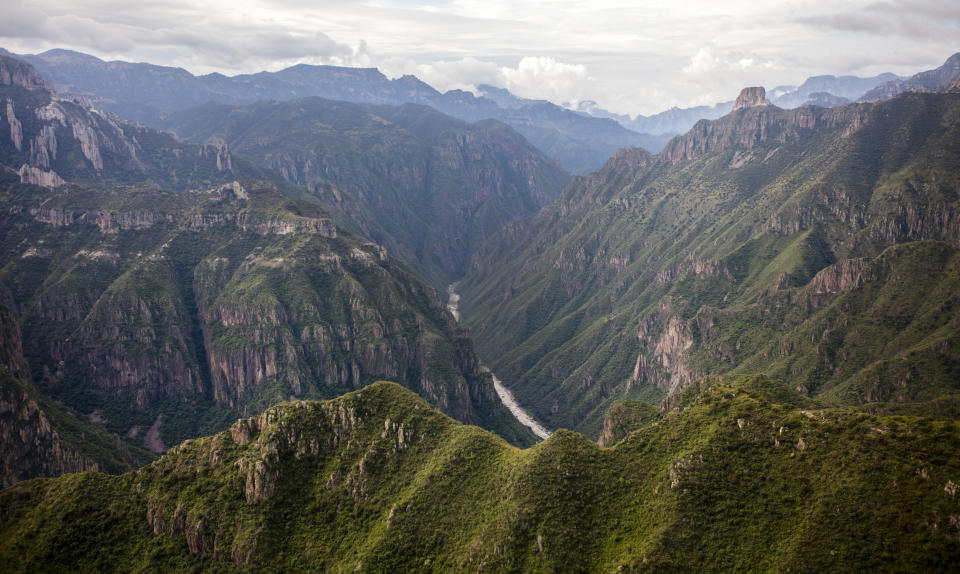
(506,397)
(265,339)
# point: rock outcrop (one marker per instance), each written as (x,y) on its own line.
(14,72)
(763,125)
(751,97)
(37,176)
(16,128)
(32,439)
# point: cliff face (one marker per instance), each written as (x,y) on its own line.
(758,126)
(15,72)
(38,438)
(52,139)
(658,270)
(751,97)
(138,302)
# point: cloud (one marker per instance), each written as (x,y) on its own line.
(628,55)
(547,78)
(180,32)
(533,77)
(909,18)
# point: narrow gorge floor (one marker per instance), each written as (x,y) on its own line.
(525,418)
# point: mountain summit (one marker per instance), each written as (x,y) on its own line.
(750,97)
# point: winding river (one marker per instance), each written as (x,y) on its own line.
(525,418)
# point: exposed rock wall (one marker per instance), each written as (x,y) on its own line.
(16,128)
(113,222)
(751,97)
(39,177)
(29,445)
(14,72)
(759,125)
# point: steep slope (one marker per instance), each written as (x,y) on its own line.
(42,438)
(743,477)
(168,309)
(48,140)
(428,187)
(148,94)
(178,310)
(754,243)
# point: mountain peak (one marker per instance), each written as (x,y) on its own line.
(750,97)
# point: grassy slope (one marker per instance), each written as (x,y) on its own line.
(379,481)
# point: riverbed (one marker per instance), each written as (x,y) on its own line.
(506,397)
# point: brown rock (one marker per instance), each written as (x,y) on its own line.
(750,97)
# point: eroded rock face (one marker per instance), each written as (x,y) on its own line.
(13,72)
(750,97)
(770,125)
(16,128)
(39,177)
(840,277)
(29,444)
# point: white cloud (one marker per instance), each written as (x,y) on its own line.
(533,77)
(547,78)
(629,55)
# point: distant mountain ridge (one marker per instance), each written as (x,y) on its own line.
(147,93)
(928,81)
(840,89)
(848,87)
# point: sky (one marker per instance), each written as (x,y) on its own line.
(629,56)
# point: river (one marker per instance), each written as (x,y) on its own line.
(506,397)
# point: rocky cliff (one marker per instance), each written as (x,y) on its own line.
(51,139)
(39,438)
(138,302)
(14,72)
(751,97)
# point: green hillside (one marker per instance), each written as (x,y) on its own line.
(378,481)
(768,241)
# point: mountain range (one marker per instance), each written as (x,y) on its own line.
(766,241)
(826,91)
(148,94)
(223,347)
(172,286)
(741,474)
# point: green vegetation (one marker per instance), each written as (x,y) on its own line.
(204,305)
(378,481)
(817,246)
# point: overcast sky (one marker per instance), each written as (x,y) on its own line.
(630,56)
